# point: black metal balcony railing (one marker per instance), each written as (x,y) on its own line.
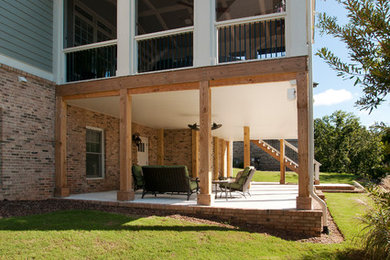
(256,40)
(91,64)
(167,52)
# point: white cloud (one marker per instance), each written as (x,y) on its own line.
(332,97)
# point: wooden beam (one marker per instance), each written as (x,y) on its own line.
(222,163)
(303,199)
(281,160)
(186,78)
(253,79)
(61,188)
(165,88)
(216,158)
(205,197)
(93,95)
(195,153)
(229,159)
(126,191)
(247,147)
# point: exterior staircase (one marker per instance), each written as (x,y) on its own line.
(289,163)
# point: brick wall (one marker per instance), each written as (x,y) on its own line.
(262,161)
(178,147)
(26,136)
(78,120)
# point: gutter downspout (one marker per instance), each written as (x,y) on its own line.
(310,5)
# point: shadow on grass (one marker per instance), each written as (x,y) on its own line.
(95,220)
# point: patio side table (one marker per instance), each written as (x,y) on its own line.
(216,185)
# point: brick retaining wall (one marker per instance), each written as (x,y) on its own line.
(308,222)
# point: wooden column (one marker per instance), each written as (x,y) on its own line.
(160,157)
(229,159)
(216,158)
(222,163)
(282,165)
(195,153)
(247,147)
(126,191)
(205,197)
(303,199)
(61,188)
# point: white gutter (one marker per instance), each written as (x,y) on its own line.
(309,8)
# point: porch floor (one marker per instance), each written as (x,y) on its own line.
(263,196)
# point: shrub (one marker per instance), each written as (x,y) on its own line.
(377,237)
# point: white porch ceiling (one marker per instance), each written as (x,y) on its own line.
(265,108)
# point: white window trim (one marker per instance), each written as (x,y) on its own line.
(103,154)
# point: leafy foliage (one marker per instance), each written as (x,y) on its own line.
(367,36)
(343,145)
(377,220)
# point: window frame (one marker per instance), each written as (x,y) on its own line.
(103,170)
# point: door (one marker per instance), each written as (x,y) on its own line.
(143,152)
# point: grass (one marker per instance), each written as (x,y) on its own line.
(292,177)
(92,234)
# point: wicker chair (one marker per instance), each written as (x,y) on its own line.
(241,184)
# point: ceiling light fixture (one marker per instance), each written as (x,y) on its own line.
(195,126)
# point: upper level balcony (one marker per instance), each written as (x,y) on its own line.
(120,37)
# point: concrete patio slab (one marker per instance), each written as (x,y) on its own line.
(263,196)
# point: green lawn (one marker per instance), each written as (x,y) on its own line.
(91,234)
(292,177)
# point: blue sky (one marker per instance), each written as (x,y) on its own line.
(334,93)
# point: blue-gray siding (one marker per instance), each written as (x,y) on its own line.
(26,31)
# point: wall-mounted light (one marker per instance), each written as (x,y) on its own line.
(22,79)
(291,93)
(137,139)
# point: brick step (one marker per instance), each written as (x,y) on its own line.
(345,191)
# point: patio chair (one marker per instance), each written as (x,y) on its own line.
(137,177)
(241,184)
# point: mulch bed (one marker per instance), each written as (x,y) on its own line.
(26,208)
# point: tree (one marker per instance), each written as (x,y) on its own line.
(367,37)
(342,144)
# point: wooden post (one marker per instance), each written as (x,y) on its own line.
(216,158)
(195,153)
(282,165)
(303,199)
(126,191)
(222,168)
(229,159)
(160,156)
(247,147)
(205,197)
(61,188)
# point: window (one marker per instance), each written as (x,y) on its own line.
(161,15)
(233,9)
(94,152)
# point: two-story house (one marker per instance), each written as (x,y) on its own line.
(80,80)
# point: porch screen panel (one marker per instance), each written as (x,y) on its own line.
(162,15)
(94,153)
(251,41)
(233,9)
(169,52)
(88,21)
